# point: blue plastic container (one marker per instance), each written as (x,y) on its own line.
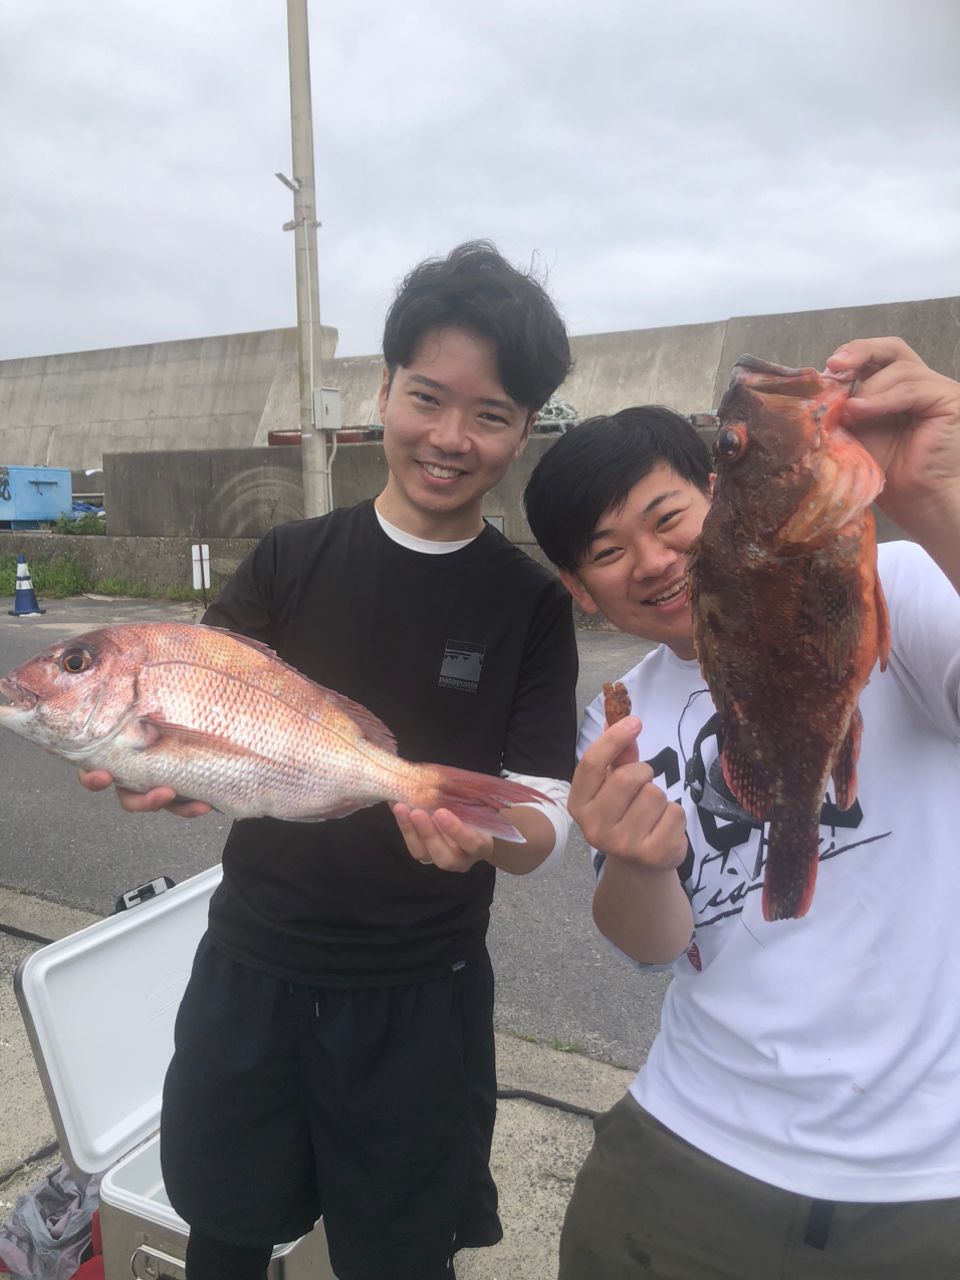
(31,496)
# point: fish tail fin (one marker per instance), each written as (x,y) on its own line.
(844,770)
(793,852)
(477,798)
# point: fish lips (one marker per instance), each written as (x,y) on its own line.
(15,696)
(766,378)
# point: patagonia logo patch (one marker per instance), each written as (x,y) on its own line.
(461,665)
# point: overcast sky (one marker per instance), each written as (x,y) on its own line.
(663,161)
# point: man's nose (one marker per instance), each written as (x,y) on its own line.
(449,433)
(652,558)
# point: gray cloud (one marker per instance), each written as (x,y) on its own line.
(666,163)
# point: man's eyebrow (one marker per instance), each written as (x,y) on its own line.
(651,506)
(434,385)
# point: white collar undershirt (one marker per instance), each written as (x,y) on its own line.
(420,544)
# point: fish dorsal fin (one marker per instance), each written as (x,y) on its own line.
(259,646)
(271,680)
(373,729)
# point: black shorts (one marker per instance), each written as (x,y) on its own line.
(371,1106)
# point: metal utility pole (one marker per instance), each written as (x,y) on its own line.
(316,449)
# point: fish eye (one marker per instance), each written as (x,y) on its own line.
(76,660)
(730,444)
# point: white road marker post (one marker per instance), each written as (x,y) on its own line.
(201,570)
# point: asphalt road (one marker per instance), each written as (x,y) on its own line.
(557,980)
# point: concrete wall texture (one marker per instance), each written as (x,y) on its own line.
(202,493)
(229,391)
(241,493)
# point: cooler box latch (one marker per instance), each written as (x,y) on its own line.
(143,893)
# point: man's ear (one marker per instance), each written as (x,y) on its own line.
(712,483)
(384,391)
(579,592)
(526,435)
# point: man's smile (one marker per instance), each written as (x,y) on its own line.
(441,473)
(670,594)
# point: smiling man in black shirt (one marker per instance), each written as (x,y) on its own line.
(334,1048)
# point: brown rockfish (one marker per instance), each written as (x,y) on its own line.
(221,718)
(788,613)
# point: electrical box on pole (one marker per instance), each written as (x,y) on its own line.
(327,409)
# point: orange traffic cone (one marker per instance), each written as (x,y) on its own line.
(24,597)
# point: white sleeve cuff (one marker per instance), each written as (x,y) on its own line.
(557,791)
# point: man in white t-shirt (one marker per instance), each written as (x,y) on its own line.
(799,1113)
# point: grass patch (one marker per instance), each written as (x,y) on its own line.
(65,576)
(562,1046)
(86,524)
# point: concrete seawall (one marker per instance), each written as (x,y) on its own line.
(68,410)
(230,391)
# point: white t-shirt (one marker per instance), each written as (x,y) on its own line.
(822,1055)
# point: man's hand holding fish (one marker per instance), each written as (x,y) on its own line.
(908,417)
(450,844)
(143,802)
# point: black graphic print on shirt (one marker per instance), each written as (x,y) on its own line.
(462,663)
(724,863)
(719,881)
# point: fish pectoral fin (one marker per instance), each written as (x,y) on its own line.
(138,734)
(745,774)
(844,771)
(841,493)
(151,730)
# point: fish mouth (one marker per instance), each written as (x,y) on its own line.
(672,594)
(767,378)
(16,697)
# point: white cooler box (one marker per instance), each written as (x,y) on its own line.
(99,1008)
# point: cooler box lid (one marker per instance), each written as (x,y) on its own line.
(99,1007)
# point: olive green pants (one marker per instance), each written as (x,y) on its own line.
(648,1206)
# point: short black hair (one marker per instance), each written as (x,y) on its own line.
(474,288)
(594,466)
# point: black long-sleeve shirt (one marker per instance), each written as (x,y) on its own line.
(470,658)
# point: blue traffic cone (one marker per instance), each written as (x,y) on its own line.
(24,597)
